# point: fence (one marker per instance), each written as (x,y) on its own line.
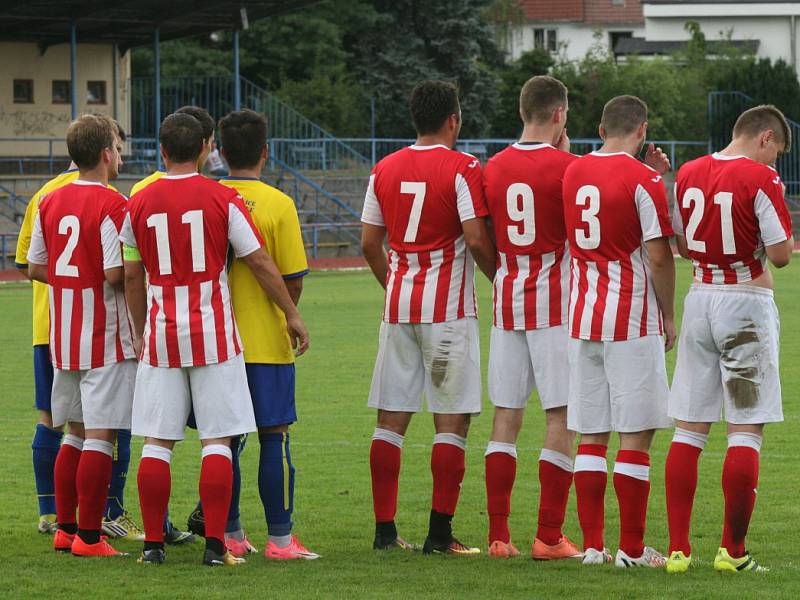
(8,250)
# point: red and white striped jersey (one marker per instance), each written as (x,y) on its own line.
(422,194)
(728,208)
(76,234)
(522,185)
(612,205)
(182,226)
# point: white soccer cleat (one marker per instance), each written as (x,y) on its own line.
(649,558)
(593,556)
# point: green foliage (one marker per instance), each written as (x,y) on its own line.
(506,121)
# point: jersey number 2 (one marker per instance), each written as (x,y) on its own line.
(193,218)
(68,225)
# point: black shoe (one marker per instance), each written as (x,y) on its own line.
(397,543)
(212,559)
(196,523)
(451,546)
(175,537)
(154,556)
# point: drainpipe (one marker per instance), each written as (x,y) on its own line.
(793,42)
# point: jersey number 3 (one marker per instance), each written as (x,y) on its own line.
(193,218)
(589,238)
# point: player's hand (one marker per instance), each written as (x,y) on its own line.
(563,141)
(298,334)
(656,159)
(670,335)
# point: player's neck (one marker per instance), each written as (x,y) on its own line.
(186,168)
(253,173)
(434,139)
(97,175)
(538,133)
(615,145)
(736,148)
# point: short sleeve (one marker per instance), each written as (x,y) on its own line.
(37,253)
(677,219)
(290,252)
(242,233)
(653,208)
(24,239)
(470,201)
(109,239)
(126,235)
(774,220)
(371,214)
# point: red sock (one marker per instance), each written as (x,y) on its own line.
(216,484)
(554,484)
(384,464)
(739,482)
(632,484)
(501,470)
(66,489)
(681,483)
(447,467)
(591,476)
(154,483)
(93,477)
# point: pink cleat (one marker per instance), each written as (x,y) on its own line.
(293,551)
(240,548)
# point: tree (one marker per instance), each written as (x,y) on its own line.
(506,121)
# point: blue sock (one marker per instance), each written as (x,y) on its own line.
(237,447)
(276,482)
(46,443)
(115,505)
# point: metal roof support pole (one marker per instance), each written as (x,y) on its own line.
(237,81)
(115,80)
(157,90)
(73,67)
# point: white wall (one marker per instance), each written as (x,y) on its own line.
(574,39)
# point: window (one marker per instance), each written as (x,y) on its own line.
(618,2)
(23,91)
(552,40)
(538,39)
(615,36)
(96,92)
(62,91)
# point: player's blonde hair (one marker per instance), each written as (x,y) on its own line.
(759,119)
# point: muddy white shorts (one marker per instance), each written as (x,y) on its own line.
(617,386)
(521,361)
(99,398)
(441,361)
(728,357)
(218,394)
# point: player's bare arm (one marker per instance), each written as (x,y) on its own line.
(295,289)
(37,272)
(136,297)
(683,249)
(780,254)
(115,277)
(268,276)
(662,265)
(372,237)
(479,241)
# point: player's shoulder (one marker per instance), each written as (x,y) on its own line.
(143,183)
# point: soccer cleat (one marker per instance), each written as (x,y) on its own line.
(649,558)
(563,549)
(47,524)
(196,523)
(240,547)
(176,537)
(725,562)
(101,548)
(397,543)
(62,541)
(678,562)
(123,527)
(593,556)
(293,551)
(453,546)
(498,549)
(212,559)
(154,556)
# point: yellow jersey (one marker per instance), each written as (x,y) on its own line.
(262,325)
(140,185)
(41,297)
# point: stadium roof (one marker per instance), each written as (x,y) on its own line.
(129,23)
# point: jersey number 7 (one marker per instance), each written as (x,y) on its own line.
(417,189)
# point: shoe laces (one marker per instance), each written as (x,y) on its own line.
(125,520)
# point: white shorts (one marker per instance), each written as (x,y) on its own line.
(617,386)
(728,357)
(441,360)
(521,361)
(99,398)
(218,394)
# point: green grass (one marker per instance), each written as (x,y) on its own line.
(334,510)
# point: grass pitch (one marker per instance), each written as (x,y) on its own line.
(333,501)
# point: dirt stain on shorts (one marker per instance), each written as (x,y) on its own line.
(440,363)
(743,383)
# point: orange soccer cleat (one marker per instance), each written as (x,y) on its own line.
(295,550)
(101,548)
(498,549)
(62,541)
(563,549)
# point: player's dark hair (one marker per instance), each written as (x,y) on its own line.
(87,137)
(759,119)
(181,136)
(431,103)
(201,114)
(540,96)
(623,115)
(120,131)
(243,134)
